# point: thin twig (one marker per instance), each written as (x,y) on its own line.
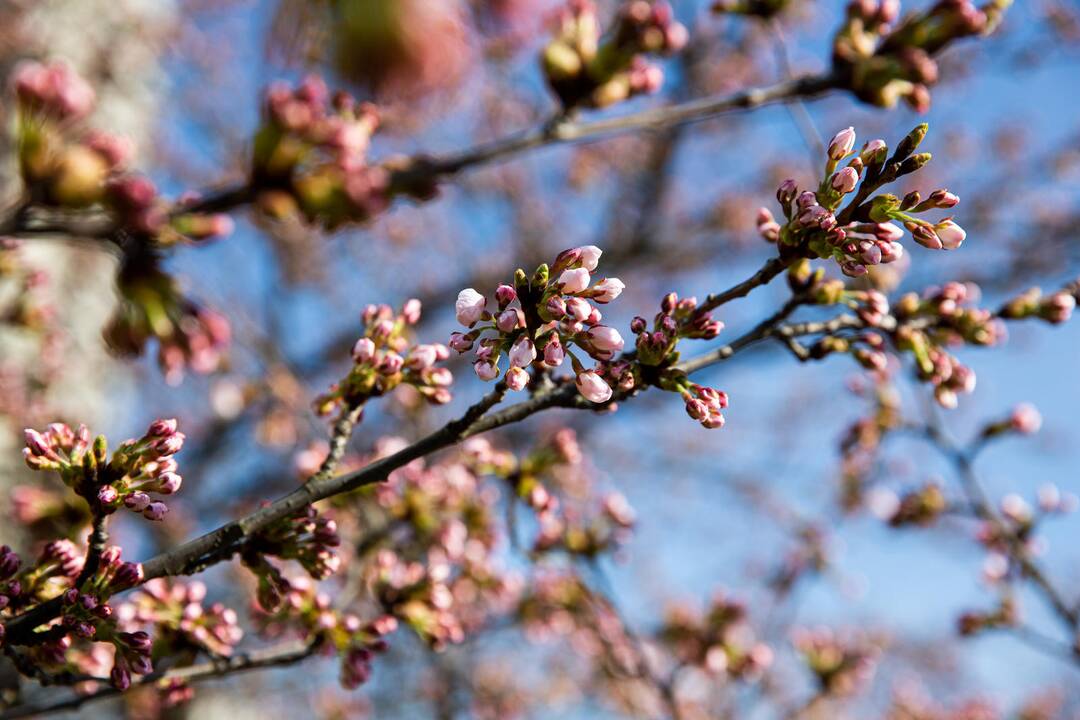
(277,656)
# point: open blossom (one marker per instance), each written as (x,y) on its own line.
(593,387)
(469,307)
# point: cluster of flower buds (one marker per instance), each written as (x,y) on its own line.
(585,69)
(310,157)
(884,59)
(561,605)
(144,466)
(68,168)
(1054,308)
(132,656)
(863,233)
(841,663)
(417,593)
(720,640)
(54,90)
(180,620)
(928,324)
(56,569)
(447,528)
(585,535)
(309,538)
(537,321)
(87,613)
(136,469)
(306,610)
(384,358)
(656,353)
(71,453)
(152,306)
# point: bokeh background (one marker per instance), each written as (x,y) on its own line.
(673,210)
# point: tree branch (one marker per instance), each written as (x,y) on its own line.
(277,656)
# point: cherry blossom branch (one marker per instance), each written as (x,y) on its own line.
(424,167)
(963,461)
(222,543)
(276,656)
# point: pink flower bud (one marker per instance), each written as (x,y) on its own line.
(486,371)
(507,320)
(924,235)
(554,353)
(1025,419)
(787,191)
(888,232)
(608,289)
(169,483)
(943,199)
(574,281)
(391,364)
(592,387)
(363,351)
(523,353)
(951,234)
(155,511)
(137,501)
(590,256)
(107,495)
(411,311)
(161,428)
(504,295)
(605,338)
(517,378)
(845,180)
(469,307)
(578,308)
(36,442)
(422,357)
(842,144)
(460,343)
(556,307)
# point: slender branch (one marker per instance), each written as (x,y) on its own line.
(761,331)
(984,509)
(559,131)
(277,656)
(768,271)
